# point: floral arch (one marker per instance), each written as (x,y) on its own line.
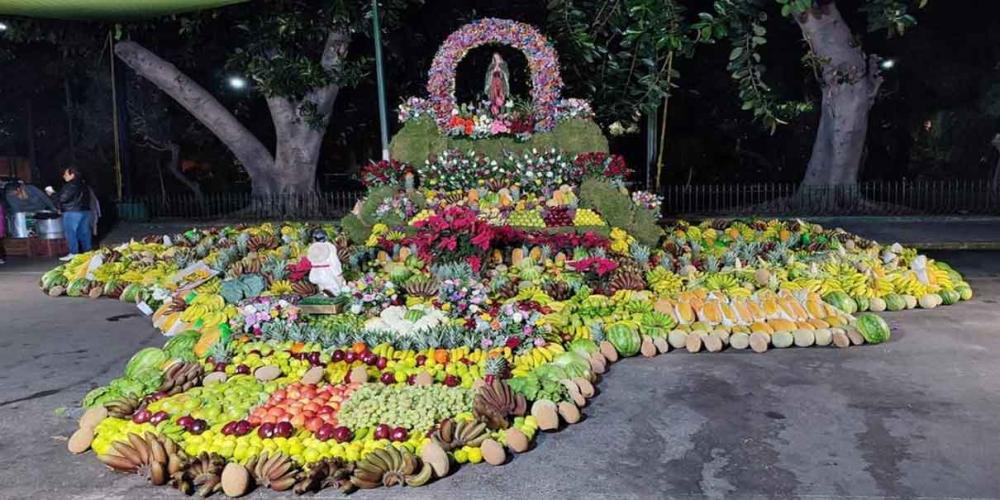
(543,63)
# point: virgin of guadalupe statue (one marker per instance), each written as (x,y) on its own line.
(497,84)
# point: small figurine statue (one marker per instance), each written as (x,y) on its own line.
(497,84)
(326,272)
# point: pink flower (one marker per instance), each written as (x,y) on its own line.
(499,127)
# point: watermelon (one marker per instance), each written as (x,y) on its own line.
(895,302)
(113,288)
(964,291)
(583,347)
(841,301)
(78,287)
(625,339)
(146,359)
(51,278)
(863,303)
(573,363)
(131,293)
(949,297)
(873,328)
(181,346)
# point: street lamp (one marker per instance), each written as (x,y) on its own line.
(237,82)
(888,64)
(3,26)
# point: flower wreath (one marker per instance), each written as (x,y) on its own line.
(543,62)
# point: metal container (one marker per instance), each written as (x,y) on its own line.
(19,225)
(48,225)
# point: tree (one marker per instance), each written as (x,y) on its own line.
(635,44)
(296,54)
(849,78)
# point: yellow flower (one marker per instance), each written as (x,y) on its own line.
(377,230)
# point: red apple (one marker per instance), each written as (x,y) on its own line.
(325,432)
(382,362)
(186,421)
(382,431)
(342,434)
(158,417)
(266,430)
(338,355)
(283,429)
(141,416)
(399,434)
(388,378)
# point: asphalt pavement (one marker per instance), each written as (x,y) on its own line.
(914,417)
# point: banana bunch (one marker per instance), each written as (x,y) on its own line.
(180,377)
(276,471)
(453,434)
(721,281)
(390,466)
(940,278)
(907,283)
(123,407)
(537,356)
(664,282)
(155,457)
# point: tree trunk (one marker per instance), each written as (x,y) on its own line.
(995,178)
(256,158)
(850,80)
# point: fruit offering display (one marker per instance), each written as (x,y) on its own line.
(484,299)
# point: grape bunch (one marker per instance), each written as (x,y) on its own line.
(558,216)
(526,218)
(414,407)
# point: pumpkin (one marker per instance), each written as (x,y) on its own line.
(841,301)
(625,339)
(873,328)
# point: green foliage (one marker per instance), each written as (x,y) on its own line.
(419,139)
(618,210)
(620,53)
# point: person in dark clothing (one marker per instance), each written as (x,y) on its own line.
(74,201)
(23,197)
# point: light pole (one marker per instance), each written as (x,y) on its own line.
(380,78)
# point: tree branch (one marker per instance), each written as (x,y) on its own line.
(256,158)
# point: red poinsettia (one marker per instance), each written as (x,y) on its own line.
(299,270)
(597,265)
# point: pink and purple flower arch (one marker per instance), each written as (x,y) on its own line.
(543,63)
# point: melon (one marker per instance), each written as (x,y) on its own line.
(625,339)
(841,301)
(911,301)
(863,303)
(929,300)
(964,291)
(873,328)
(876,304)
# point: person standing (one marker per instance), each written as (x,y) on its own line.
(3,233)
(74,201)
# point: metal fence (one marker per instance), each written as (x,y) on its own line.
(726,200)
(241,206)
(953,197)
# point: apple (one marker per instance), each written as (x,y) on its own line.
(369,358)
(382,431)
(186,421)
(350,357)
(220,366)
(242,428)
(325,432)
(229,428)
(198,426)
(158,417)
(382,362)
(243,369)
(266,430)
(338,355)
(283,429)
(141,416)
(342,434)
(452,381)
(399,434)
(388,378)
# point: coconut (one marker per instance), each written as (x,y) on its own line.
(516,440)
(235,480)
(569,412)
(493,452)
(80,441)
(433,454)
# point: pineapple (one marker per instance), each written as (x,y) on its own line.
(640,253)
(495,368)
(220,352)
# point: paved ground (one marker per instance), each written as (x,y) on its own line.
(913,417)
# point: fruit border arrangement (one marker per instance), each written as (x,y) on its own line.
(484,298)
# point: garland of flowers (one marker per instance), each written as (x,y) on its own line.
(543,62)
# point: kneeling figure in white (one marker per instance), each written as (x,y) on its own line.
(326,272)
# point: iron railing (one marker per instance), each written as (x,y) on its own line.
(952,197)
(881,198)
